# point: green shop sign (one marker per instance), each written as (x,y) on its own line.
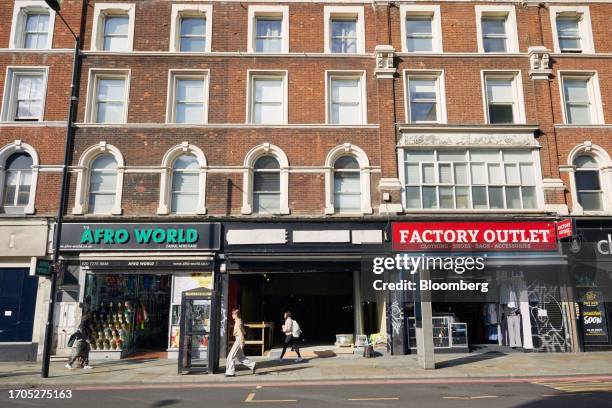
(140,236)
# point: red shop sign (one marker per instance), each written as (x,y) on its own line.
(474,236)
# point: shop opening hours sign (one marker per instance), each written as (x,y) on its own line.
(474,236)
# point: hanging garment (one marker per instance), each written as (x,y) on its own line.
(492,333)
(490,311)
(514,330)
(508,296)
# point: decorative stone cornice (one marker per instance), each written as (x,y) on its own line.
(385,67)
(467,136)
(539,63)
(553,184)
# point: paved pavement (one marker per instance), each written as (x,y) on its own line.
(163,371)
(425,394)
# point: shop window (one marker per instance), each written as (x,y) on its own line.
(32,26)
(188,97)
(17,183)
(581,99)
(496,29)
(268,29)
(346,95)
(470,179)
(18,178)
(185,181)
(25,94)
(268,98)
(571,29)
(191,28)
(102,184)
(266,185)
(347,185)
(113,29)
(421,28)
(344,30)
(425,97)
(504,99)
(588,185)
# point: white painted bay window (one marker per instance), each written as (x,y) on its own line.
(476,178)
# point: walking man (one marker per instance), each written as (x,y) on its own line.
(292,332)
(81,346)
(236,352)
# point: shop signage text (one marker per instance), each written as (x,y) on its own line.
(565,229)
(605,246)
(199,236)
(474,236)
(594,318)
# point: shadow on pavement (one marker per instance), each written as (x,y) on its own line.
(165,403)
(579,399)
(474,358)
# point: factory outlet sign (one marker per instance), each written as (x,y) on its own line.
(126,237)
(474,236)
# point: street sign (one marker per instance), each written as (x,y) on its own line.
(565,229)
(41,267)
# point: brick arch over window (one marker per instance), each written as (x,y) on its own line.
(185,148)
(348,149)
(7,151)
(83,170)
(604,165)
(265,149)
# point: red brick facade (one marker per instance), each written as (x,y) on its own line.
(306,139)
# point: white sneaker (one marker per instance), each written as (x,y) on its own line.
(68,366)
(87,367)
(299,359)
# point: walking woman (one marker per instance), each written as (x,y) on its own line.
(236,352)
(292,333)
(82,338)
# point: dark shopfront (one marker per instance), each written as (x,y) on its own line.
(590,255)
(312,269)
(524,307)
(131,278)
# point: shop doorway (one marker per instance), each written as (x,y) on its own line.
(130,312)
(322,303)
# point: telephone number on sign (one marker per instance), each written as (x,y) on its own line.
(40,394)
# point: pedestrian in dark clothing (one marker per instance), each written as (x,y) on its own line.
(81,345)
(292,332)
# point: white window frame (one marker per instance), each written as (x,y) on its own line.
(20,11)
(101,10)
(596,106)
(436,26)
(509,12)
(584,26)
(91,106)
(438,75)
(537,174)
(348,149)
(19,147)
(190,10)
(265,149)
(9,105)
(165,196)
(83,170)
(175,74)
(517,90)
(347,12)
(604,161)
(268,11)
(252,75)
(348,74)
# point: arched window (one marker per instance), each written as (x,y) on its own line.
(588,183)
(266,186)
(102,184)
(185,184)
(17,182)
(347,185)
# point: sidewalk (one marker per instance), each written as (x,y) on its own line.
(156,371)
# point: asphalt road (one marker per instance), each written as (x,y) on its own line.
(553,393)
